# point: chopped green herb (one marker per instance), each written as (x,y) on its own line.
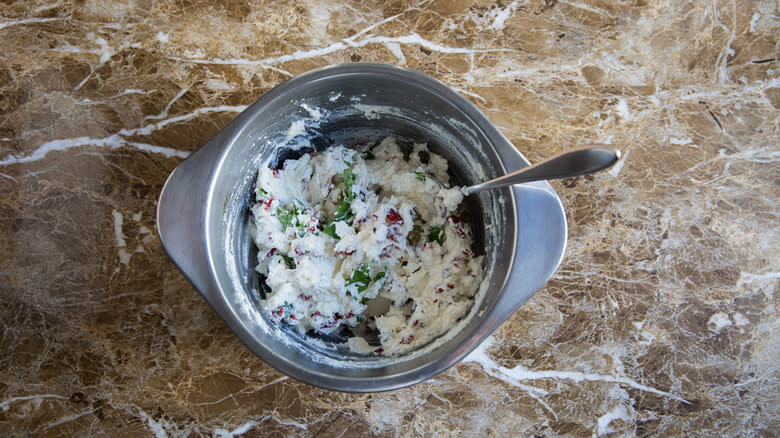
(330,230)
(344,213)
(416,270)
(368,154)
(261,192)
(301,227)
(360,318)
(289,306)
(288,217)
(360,278)
(289,261)
(285,217)
(349,181)
(297,207)
(420,175)
(436,234)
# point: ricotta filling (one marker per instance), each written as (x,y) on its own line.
(340,232)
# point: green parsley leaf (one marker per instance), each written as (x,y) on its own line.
(289,261)
(285,217)
(330,230)
(360,278)
(368,154)
(436,234)
(380,276)
(420,175)
(289,306)
(349,181)
(261,192)
(301,227)
(344,213)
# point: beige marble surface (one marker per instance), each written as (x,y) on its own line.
(662,320)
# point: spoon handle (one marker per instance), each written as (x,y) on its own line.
(573,162)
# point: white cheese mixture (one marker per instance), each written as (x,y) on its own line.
(339,228)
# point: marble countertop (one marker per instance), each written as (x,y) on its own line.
(661,321)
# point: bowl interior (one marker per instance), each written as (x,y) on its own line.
(353,107)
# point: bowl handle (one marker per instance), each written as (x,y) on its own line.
(181,215)
(538,253)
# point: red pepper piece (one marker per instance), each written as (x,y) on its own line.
(393,217)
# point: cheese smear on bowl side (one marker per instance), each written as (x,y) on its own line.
(338,228)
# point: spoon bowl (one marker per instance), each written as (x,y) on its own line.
(573,162)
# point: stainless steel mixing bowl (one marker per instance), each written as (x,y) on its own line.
(203,213)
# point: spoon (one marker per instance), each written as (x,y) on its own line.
(573,162)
